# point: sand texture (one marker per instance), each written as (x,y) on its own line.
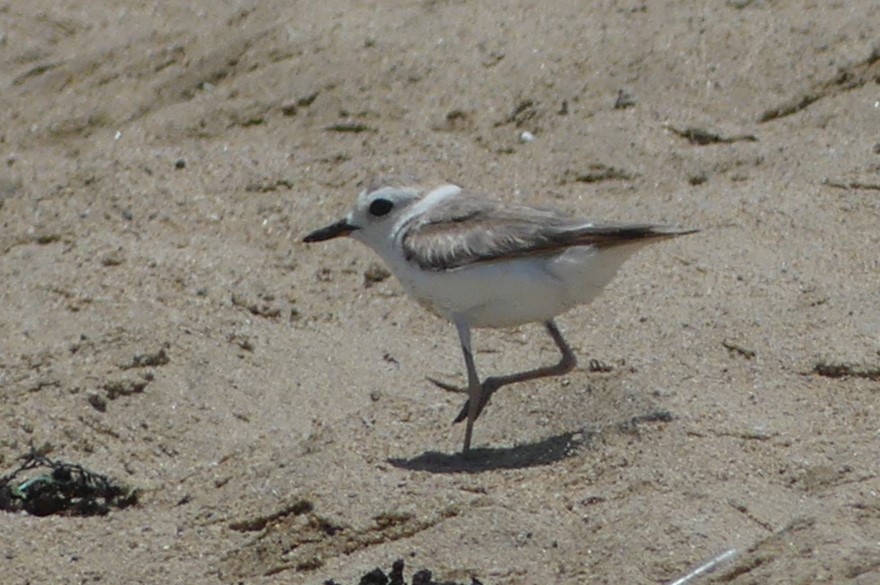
(161,321)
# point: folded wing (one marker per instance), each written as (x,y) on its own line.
(469,229)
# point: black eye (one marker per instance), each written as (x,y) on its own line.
(380,207)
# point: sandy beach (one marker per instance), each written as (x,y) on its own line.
(163,323)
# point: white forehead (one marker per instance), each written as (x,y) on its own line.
(379,232)
(392,193)
(407,201)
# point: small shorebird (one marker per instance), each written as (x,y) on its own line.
(478,262)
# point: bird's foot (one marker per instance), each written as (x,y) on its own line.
(488,387)
(448,387)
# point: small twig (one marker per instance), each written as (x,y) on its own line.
(848,185)
(707,567)
(702,137)
(352,127)
(737,348)
(842,370)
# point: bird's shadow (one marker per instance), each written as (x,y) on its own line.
(543,452)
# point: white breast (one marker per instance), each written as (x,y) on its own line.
(514,292)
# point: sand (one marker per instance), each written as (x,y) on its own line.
(160,163)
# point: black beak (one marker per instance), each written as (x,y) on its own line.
(340,228)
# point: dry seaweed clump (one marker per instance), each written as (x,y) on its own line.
(61,488)
(395,577)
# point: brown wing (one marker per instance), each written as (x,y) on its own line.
(469,229)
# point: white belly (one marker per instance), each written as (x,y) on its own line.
(514,292)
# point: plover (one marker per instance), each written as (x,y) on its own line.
(479,262)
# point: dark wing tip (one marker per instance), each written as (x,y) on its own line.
(613,235)
(673,231)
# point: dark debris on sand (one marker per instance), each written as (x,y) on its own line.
(395,577)
(63,488)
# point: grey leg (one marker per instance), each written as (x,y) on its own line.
(474,387)
(490,385)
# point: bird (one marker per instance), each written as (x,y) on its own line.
(480,262)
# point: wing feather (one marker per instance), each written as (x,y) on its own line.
(469,229)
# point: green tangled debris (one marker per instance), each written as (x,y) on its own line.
(64,488)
